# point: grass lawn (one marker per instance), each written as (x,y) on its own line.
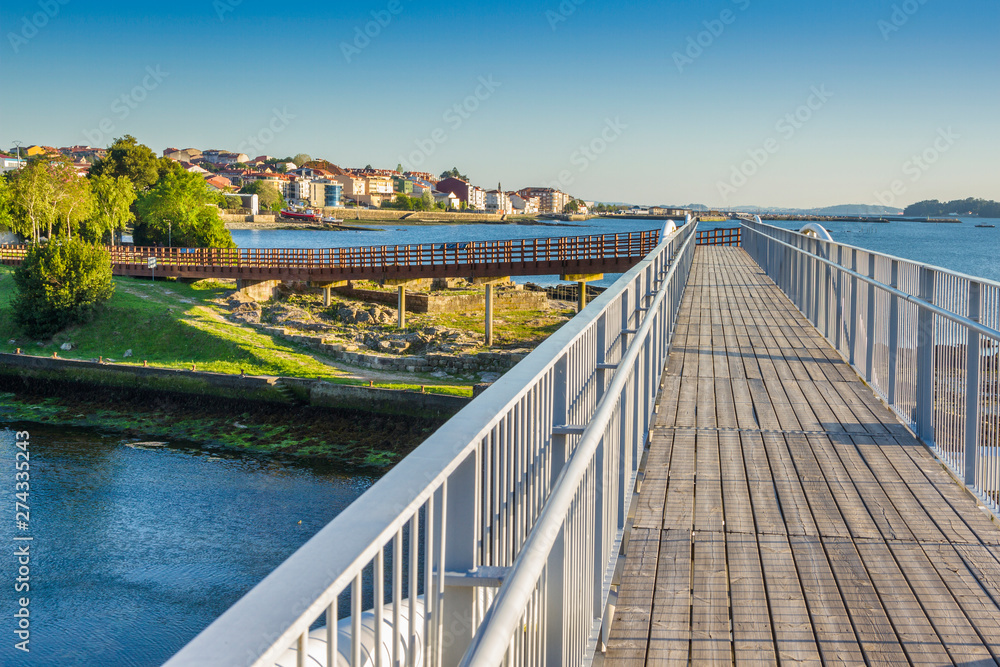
(174,324)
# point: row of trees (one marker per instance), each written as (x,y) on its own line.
(130,185)
(48,197)
(424,202)
(984,208)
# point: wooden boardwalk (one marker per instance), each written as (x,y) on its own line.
(786,517)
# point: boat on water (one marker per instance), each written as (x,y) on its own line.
(311,216)
(308,215)
(984,225)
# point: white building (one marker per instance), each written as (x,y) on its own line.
(497,201)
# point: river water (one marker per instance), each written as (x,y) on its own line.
(137,549)
(960,247)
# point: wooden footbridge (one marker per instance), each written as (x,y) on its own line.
(608,253)
(781,452)
(786,515)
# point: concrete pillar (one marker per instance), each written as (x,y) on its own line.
(326,297)
(401,304)
(489,315)
(581,280)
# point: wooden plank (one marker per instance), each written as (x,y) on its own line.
(763,495)
(939,603)
(825,510)
(898,492)
(629,637)
(871,624)
(794,507)
(753,643)
(795,641)
(710,636)
(735,493)
(652,497)
(670,621)
(831,622)
(852,508)
(679,505)
(708,513)
(915,632)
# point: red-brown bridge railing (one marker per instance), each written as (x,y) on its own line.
(611,253)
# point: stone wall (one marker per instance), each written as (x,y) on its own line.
(498,362)
(417,302)
(28,369)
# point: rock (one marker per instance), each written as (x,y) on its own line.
(128,353)
(364,318)
(439,374)
(489,377)
(67,346)
(11,341)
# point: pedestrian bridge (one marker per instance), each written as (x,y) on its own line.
(782,451)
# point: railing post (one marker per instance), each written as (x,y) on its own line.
(972,386)
(893,333)
(924,418)
(870,324)
(554,574)
(457,620)
(853,342)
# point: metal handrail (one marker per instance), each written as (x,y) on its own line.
(506,612)
(924,338)
(461,506)
(906,296)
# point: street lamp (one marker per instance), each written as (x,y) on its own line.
(17,145)
(170,233)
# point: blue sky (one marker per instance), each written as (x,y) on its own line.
(725,102)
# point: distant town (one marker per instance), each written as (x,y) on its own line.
(305,182)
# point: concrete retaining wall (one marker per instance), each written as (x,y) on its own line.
(314,392)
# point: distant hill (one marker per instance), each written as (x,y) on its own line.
(842,209)
(933,208)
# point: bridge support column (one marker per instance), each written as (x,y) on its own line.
(581,280)
(489,282)
(326,287)
(401,285)
(258,290)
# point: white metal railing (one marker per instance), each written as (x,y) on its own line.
(925,339)
(501,532)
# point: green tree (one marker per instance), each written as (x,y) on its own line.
(572,207)
(267,194)
(300,159)
(6,204)
(127,157)
(427,200)
(454,173)
(73,198)
(34,199)
(177,210)
(113,199)
(59,284)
